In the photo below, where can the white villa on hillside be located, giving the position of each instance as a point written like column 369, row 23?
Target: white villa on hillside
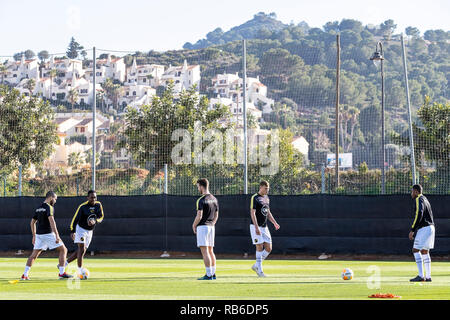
column 113, row 68
column 183, row 77
column 147, row 74
column 19, row 70
column 230, row 86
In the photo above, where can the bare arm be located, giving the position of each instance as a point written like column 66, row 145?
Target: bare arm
column 54, row 229
column 33, row 229
column 254, row 221
column 216, row 216
column 197, row 220
column 272, row 219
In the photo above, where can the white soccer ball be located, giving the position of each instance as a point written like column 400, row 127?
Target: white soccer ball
column 84, row 274
column 347, row 274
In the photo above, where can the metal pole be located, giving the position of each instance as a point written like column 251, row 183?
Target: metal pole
column 383, row 189
column 408, row 101
column 323, row 178
column 244, row 85
column 165, row 254
column 20, row 180
column 166, row 178
column 93, row 119
column 336, row 130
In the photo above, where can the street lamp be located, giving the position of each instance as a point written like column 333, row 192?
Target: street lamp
column 377, row 59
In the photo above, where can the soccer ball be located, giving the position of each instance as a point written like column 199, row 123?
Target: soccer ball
column 347, row 274
column 84, row 274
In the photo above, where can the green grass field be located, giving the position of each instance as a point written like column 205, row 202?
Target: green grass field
column 176, row 279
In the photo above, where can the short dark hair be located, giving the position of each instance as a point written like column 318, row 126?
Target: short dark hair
column 418, row 187
column 264, row 183
column 91, row 191
column 50, row 194
column 203, row 182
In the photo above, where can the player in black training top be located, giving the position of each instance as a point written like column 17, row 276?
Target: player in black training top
column 261, row 238
column 88, row 214
column 46, row 236
column 204, row 227
column 423, row 229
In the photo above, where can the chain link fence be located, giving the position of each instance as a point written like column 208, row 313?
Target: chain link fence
column 185, row 108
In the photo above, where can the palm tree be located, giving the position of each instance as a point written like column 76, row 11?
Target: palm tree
column 348, row 114
column 100, row 97
column 113, row 91
column 354, row 113
column 52, row 73
column 30, row 84
column 73, row 96
column 75, row 160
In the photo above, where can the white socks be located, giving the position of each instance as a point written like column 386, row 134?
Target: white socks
column 418, row 258
column 265, row 254
column 427, row 263
column 80, row 270
column 259, row 259
column 208, row 271
column 62, row 270
column 27, row 269
column 213, row 270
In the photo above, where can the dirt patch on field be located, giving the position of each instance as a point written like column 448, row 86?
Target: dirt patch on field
column 250, row 256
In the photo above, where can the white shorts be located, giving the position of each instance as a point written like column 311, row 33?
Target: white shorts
column 263, row 237
column 46, row 241
column 83, row 236
column 424, row 239
column 205, row 236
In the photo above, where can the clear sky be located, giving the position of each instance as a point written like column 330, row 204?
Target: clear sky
column 162, row 25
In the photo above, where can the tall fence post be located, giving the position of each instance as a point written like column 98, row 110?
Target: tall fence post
column 93, row 117
column 323, row 178
column 336, row 130
column 165, row 254
column 244, row 88
column 166, row 179
column 408, row 101
column 20, row 180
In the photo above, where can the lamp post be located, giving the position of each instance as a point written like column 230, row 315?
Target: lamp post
column 377, row 59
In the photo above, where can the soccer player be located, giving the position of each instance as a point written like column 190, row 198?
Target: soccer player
column 259, row 213
column 423, row 229
column 88, row 214
column 46, row 236
column 204, row 227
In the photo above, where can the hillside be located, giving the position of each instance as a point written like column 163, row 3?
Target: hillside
column 259, row 25
column 298, row 66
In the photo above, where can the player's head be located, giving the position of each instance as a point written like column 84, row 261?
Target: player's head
column 92, row 197
column 202, row 185
column 416, row 190
column 51, row 197
column 263, row 187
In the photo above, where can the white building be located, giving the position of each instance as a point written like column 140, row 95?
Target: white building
column 65, row 68
column 183, row 77
column 113, row 68
column 136, row 95
column 301, row 145
column 147, row 74
column 230, row 86
column 236, row 108
column 16, row 71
